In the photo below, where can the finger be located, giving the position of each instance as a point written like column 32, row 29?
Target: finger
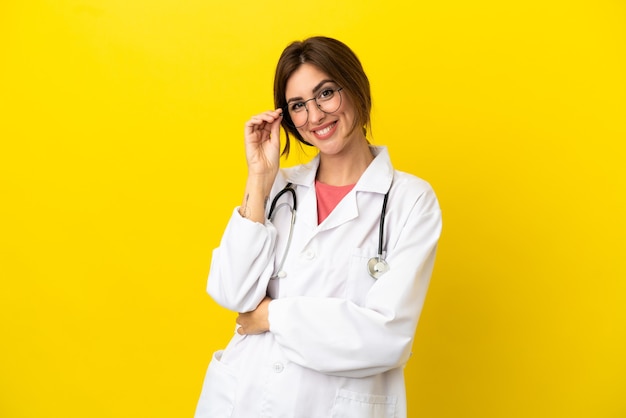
column 275, row 127
column 274, row 114
column 275, row 132
column 255, row 124
column 268, row 117
column 252, row 129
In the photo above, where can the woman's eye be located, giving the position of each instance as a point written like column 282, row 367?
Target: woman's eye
column 327, row 93
column 297, row 106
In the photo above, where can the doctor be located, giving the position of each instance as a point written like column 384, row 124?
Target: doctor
column 320, row 334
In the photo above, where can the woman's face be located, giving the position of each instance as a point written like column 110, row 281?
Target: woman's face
column 329, row 132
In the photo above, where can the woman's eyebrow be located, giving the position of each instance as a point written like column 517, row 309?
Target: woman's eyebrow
column 315, row 90
column 321, row 84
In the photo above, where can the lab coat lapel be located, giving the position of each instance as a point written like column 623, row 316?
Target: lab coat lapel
column 307, row 211
column 345, row 211
column 377, row 179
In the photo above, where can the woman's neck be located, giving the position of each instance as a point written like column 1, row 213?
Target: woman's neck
column 344, row 169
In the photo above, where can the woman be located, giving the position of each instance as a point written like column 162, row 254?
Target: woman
column 329, row 303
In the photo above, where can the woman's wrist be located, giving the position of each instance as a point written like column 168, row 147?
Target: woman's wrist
column 256, row 196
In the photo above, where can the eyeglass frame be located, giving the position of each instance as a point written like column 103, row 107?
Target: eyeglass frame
column 306, row 108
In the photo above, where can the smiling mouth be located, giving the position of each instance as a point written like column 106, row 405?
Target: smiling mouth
column 326, row 130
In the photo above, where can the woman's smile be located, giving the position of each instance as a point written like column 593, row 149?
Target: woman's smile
column 325, row 131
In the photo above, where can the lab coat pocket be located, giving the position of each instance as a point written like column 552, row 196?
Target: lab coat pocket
column 218, row 392
column 363, row 405
column 359, row 280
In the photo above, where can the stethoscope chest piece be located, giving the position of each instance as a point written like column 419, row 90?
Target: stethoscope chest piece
column 376, row 267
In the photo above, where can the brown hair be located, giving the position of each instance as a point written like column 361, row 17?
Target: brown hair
column 335, row 59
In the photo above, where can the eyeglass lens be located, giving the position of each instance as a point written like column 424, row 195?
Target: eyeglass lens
column 328, row 101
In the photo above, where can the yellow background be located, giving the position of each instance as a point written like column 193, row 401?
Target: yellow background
column 121, row 159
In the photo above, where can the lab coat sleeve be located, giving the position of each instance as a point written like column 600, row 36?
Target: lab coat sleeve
column 242, row 265
column 338, row 337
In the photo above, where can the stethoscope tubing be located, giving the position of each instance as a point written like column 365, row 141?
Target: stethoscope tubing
column 381, row 227
column 286, row 189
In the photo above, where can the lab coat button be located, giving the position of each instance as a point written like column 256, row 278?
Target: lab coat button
column 282, row 274
column 278, row 367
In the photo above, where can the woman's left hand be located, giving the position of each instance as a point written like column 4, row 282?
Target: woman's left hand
column 256, row 321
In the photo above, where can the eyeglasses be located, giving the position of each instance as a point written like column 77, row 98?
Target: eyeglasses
column 328, row 101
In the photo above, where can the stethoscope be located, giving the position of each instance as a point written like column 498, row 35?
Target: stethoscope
column 376, row 266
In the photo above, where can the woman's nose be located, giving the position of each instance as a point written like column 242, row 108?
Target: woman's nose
column 315, row 113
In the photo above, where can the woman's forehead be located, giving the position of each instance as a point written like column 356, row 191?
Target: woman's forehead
column 305, row 80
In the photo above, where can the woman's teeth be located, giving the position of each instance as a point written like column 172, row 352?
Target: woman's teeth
column 325, row 130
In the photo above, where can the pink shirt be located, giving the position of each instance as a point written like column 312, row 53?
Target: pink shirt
column 328, row 197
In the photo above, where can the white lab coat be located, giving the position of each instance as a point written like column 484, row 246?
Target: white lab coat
column 338, row 338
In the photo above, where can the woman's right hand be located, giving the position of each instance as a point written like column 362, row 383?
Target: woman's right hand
column 262, row 142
